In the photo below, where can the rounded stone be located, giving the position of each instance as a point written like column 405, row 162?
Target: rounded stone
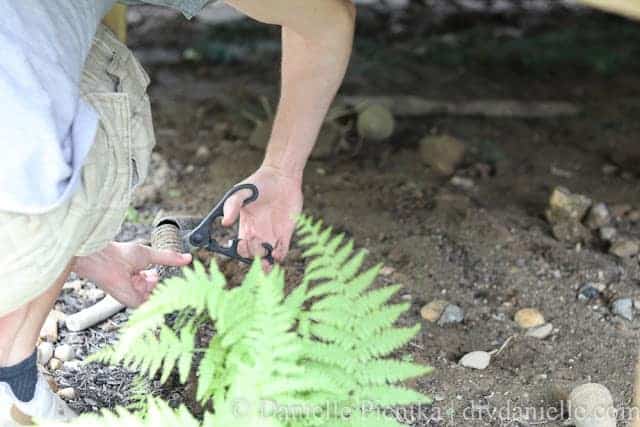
column 608, row 233
column 443, row 153
column 55, row 364
column 452, row 314
column 65, row 353
column 623, row 307
column 476, row 360
column 598, row 216
column 375, row 123
column 625, row 248
column 591, row 405
column 529, row 318
column 45, row 353
column 432, row 311
column 540, row 332
column 68, row 393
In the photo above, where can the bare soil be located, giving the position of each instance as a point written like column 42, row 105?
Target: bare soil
column 487, row 249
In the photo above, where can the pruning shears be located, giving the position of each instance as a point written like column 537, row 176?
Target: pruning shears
column 200, row 237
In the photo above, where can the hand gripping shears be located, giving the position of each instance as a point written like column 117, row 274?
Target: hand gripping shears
column 200, row 237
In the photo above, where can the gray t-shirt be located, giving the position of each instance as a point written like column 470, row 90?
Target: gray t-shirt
column 46, row 130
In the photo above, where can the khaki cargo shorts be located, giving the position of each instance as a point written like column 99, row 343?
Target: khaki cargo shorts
column 36, row 249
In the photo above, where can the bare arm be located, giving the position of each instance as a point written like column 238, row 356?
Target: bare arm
column 317, row 36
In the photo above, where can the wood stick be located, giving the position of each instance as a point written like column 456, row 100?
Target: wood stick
column 93, row 315
column 409, row 106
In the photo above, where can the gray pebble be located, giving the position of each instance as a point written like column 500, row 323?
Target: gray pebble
column 540, row 332
column 608, row 233
column 623, row 307
column 589, row 291
column 598, row 216
column 452, row 314
column 624, row 248
column 476, row 360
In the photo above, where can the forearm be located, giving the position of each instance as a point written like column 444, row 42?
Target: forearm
column 312, row 71
column 317, row 37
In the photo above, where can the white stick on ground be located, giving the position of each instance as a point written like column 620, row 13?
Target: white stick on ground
column 93, row 315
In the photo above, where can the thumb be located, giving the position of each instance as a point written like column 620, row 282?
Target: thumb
column 232, row 207
column 167, row 257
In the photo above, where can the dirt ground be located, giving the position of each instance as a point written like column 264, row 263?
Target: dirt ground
column 486, row 248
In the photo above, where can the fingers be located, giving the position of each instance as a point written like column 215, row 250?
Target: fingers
column 166, row 257
column 250, row 248
column 143, row 284
column 232, row 207
column 281, row 249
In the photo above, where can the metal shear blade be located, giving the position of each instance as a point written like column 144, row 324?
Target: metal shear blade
column 200, row 237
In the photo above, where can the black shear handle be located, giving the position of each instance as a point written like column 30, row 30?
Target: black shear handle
column 201, row 235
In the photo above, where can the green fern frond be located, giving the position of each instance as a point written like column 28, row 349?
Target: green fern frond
column 326, row 345
column 152, row 353
column 159, row 415
column 379, row 372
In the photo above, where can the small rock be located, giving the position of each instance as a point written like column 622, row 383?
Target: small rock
column 72, row 365
column 591, row 405
column 589, row 291
column 609, row 169
column 55, row 364
column 45, row 352
column 462, row 182
column 49, row 331
column 68, row 393
column 451, row 314
column 74, row 285
column 94, row 294
column 540, row 332
column 634, row 215
column 608, row 233
column 476, row 360
column 433, row 310
column 65, row 353
column 567, row 206
column 443, row 153
column 375, row 123
column 387, row 271
column 529, row 318
column 623, row 307
column 203, row 152
column 624, row 248
column 598, row 216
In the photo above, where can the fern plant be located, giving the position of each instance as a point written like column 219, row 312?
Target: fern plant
column 319, row 356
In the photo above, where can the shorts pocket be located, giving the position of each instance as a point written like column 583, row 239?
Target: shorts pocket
column 109, row 172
